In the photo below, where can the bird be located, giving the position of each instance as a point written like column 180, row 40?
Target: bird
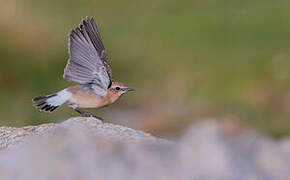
column 89, row 67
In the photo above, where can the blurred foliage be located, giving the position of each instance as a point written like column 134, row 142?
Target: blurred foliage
column 188, row 60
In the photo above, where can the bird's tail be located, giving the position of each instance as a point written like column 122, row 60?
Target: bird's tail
column 51, row 102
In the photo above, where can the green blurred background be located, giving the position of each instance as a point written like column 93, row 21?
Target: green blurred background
column 188, row 60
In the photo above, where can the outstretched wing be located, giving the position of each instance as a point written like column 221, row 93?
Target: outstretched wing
column 85, row 65
column 92, row 30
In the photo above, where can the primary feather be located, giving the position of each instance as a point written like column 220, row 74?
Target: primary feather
column 86, row 64
column 92, row 30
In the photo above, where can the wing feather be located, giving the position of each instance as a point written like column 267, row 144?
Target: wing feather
column 85, row 65
column 92, row 30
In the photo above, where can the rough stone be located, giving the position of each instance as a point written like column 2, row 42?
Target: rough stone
column 86, row 148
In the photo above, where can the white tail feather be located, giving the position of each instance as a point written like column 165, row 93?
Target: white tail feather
column 51, row 102
column 60, row 98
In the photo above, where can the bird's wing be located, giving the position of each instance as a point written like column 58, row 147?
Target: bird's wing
column 85, row 65
column 92, row 30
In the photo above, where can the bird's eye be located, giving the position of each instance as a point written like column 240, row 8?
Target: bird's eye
column 118, row 88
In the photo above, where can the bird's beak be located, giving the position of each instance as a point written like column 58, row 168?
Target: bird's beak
column 129, row 89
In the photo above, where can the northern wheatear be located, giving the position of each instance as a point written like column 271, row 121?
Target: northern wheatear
column 88, row 65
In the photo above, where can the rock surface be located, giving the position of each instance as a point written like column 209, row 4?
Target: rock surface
column 10, row 136
column 86, row 148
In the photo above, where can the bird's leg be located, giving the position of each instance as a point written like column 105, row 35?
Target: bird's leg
column 86, row 114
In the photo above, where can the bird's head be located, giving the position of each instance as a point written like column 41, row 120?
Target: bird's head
column 118, row 89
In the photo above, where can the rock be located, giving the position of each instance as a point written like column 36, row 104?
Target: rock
column 86, row 148
column 10, row 136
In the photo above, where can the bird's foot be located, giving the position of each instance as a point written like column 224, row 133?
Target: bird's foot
column 87, row 114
